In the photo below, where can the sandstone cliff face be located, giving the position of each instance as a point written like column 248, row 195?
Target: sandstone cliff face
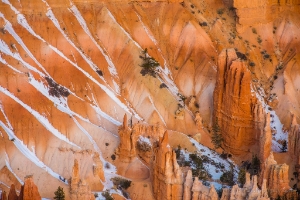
column 167, row 177
column 235, row 107
column 255, row 12
column 12, row 195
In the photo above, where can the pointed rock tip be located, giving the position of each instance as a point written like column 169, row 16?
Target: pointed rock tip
column 125, row 121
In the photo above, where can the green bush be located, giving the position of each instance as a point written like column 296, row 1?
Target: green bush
column 107, row 196
column 242, row 177
column 149, row 64
column 59, row 194
column 122, row 182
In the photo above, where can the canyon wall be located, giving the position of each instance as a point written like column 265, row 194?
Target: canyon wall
column 262, row 11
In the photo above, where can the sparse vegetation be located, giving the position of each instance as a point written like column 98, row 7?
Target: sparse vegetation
column 284, row 146
column 220, row 11
column 227, row 177
column 242, row 177
column 163, row 85
column 216, row 137
column 59, row 194
column 113, row 157
column 99, row 72
column 149, row 64
column 55, row 89
column 121, row 182
column 143, row 146
column 107, row 195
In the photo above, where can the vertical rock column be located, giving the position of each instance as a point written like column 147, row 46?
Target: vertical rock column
column 235, row 108
column 167, row 177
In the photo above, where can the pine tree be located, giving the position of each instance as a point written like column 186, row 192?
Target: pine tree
column 242, row 177
column 216, row 137
column 59, row 194
column 149, row 64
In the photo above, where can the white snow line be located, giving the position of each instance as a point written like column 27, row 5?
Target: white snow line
column 103, row 87
column 5, row 49
column 9, row 28
column 10, row 169
column 39, row 117
column 105, row 116
column 11, row 67
column 60, row 103
column 6, row 118
column 160, row 116
column 80, row 19
column 275, row 121
column 150, row 35
column 27, row 153
column 124, row 31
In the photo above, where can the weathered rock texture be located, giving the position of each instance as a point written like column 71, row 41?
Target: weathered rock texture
column 167, row 177
column 12, row 195
column 262, row 11
column 276, row 176
column 29, row 190
column 294, row 141
column 79, row 188
column 249, row 191
column 235, row 108
column 127, row 146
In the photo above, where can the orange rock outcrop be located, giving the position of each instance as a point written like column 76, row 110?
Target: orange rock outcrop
column 127, row 147
column 167, row 177
column 29, row 190
column 249, row 191
column 235, row 108
column 12, row 195
column 79, row 189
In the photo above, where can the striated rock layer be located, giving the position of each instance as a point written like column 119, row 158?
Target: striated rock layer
column 235, row 108
column 167, row 177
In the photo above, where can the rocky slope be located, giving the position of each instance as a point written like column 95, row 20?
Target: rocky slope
column 71, row 69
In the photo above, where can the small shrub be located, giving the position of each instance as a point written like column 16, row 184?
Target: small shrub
column 121, row 182
column 143, row 146
column 113, row 157
column 59, row 194
column 203, row 23
column 216, row 137
column 275, row 77
column 99, row 72
column 107, row 166
column 259, row 40
column 149, row 64
column 55, row 89
column 163, row 85
column 252, row 64
column 107, row 196
column 241, row 55
column 106, row 144
column 220, row 11
column 227, row 177
column 254, row 31
column 242, row 177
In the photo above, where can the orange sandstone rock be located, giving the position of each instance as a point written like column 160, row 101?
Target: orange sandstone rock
column 29, row 190
column 167, row 177
column 12, row 195
column 235, row 108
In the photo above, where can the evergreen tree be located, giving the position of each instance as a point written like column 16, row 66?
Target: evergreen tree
column 149, row 64
column 59, row 194
column 242, row 177
column 216, row 137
